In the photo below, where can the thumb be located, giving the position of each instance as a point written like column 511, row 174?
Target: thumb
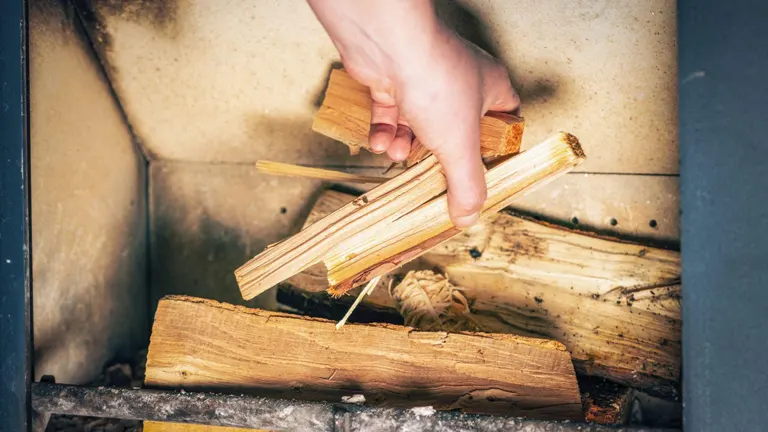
column 499, row 95
column 457, row 148
column 465, row 175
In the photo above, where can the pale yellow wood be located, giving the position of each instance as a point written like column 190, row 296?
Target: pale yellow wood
column 201, row 344
column 345, row 115
column 399, row 220
column 152, row 426
column 615, row 305
column 290, row 170
column 374, row 252
column 388, row 201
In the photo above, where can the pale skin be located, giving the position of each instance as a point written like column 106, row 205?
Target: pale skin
column 425, row 81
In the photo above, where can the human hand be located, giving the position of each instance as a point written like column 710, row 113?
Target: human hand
column 426, row 81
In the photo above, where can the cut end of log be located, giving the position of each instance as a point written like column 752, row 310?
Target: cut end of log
column 604, row 402
column 574, row 145
column 513, row 128
column 567, row 147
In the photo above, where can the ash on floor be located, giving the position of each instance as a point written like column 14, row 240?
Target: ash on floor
column 128, row 375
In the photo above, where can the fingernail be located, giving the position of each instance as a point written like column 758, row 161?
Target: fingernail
column 466, row 221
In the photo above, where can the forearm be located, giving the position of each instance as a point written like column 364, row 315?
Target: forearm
column 373, row 36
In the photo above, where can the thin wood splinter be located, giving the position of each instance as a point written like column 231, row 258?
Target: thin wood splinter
column 367, row 290
column 290, row 170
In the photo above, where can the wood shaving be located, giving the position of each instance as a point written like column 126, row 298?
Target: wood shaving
column 428, row 301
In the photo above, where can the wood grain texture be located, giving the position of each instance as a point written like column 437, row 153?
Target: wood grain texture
column 388, row 201
column 345, row 115
column 153, row 426
column 399, row 220
column 204, row 345
column 290, row 170
column 370, row 253
column 615, row 305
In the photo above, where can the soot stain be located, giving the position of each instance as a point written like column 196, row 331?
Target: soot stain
column 160, row 15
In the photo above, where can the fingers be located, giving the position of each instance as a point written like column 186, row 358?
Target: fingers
column 383, row 126
column 401, row 146
column 386, row 135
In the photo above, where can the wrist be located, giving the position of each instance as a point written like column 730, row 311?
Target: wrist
column 375, row 37
column 408, row 33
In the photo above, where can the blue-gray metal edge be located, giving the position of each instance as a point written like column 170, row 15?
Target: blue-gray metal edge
column 15, row 301
column 723, row 115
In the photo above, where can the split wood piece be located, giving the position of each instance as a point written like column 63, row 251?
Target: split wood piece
column 382, row 204
column 374, row 252
column 345, row 115
column 199, row 344
column 290, row 170
column 398, row 221
column 614, row 304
